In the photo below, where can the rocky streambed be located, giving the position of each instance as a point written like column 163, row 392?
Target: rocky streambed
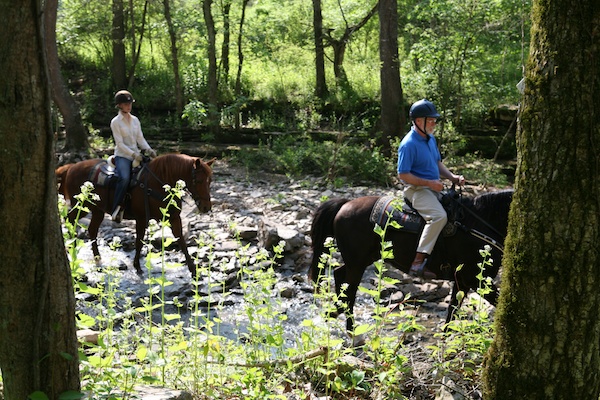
column 250, row 214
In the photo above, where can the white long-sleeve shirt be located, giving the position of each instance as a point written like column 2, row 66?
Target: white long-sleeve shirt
column 128, row 136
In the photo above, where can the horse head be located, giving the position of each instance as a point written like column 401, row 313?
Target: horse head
column 200, row 187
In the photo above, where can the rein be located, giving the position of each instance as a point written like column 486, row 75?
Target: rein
column 149, row 192
column 480, row 235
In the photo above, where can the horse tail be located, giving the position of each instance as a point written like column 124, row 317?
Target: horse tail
column 321, row 229
column 61, row 174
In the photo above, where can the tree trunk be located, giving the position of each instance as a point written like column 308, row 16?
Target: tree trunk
column 136, row 49
column 547, row 343
column 213, row 106
column 174, row 59
column 226, row 42
column 321, row 84
column 119, row 69
column 38, row 346
column 392, row 112
column 238, row 78
column 76, row 139
column 339, row 48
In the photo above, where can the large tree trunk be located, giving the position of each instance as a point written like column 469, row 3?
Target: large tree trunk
column 392, row 112
column 174, row 59
column 76, row 139
column 38, row 345
column 321, row 84
column 547, row 343
column 213, row 106
column 119, row 69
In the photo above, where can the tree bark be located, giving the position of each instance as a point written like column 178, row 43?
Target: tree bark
column 76, row 139
column 321, row 90
column 392, row 112
column 547, row 343
column 38, row 346
column 119, row 68
column 213, row 106
column 174, row 59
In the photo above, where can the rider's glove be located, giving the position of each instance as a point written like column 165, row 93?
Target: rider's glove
column 137, row 159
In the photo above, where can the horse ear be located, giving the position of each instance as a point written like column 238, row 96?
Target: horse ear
column 210, row 163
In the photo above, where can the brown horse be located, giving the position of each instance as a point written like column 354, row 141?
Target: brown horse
column 145, row 199
column 485, row 220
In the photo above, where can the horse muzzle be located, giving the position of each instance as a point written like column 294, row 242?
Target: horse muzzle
column 204, row 206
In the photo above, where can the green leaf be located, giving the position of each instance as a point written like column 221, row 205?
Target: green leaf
column 71, row 395
column 38, row 396
column 361, row 329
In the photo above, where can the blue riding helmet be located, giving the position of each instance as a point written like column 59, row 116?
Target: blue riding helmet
column 423, row 109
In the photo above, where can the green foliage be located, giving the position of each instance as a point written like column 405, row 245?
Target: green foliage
column 465, row 55
column 147, row 343
column 479, row 170
column 300, row 156
column 467, row 338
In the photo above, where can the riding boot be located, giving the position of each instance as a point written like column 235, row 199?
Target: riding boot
column 419, row 269
column 117, row 215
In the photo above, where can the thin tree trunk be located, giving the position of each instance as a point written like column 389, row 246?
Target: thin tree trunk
column 238, row 78
column 38, row 345
column 136, row 50
column 321, row 90
column 547, row 343
column 226, row 43
column 392, row 112
column 213, row 106
column 119, row 69
column 339, row 47
column 174, row 59
column 76, row 139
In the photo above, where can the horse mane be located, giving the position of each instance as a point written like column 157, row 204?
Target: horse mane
column 492, row 207
column 172, row 167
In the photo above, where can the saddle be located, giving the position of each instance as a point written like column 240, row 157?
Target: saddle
column 408, row 218
column 103, row 174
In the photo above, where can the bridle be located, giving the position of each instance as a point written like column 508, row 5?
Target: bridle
column 478, row 234
column 144, row 186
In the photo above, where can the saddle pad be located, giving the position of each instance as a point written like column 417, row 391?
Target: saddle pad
column 408, row 218
column 101, row 174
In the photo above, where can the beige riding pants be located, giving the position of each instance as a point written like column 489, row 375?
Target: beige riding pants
column 427, row 202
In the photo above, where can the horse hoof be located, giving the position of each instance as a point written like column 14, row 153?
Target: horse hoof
column 358, row 341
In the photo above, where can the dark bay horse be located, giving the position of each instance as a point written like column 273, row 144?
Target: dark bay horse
column 349, row 223
column 144, row 200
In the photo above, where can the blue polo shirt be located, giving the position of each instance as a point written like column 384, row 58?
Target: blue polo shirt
column 419, row 156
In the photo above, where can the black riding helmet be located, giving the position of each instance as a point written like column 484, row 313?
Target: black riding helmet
column 423, row 109
column 123, row 96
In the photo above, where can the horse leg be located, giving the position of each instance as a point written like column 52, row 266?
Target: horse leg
column 346, row 294
column 140, row 230
column 97, row 218
column 177, row 230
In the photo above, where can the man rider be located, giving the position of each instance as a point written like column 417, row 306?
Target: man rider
column 420, row 168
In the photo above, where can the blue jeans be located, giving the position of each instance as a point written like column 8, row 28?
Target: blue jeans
column 123, row 172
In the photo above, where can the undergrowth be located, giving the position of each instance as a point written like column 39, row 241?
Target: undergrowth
column 147, row 343
column 341, row 162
